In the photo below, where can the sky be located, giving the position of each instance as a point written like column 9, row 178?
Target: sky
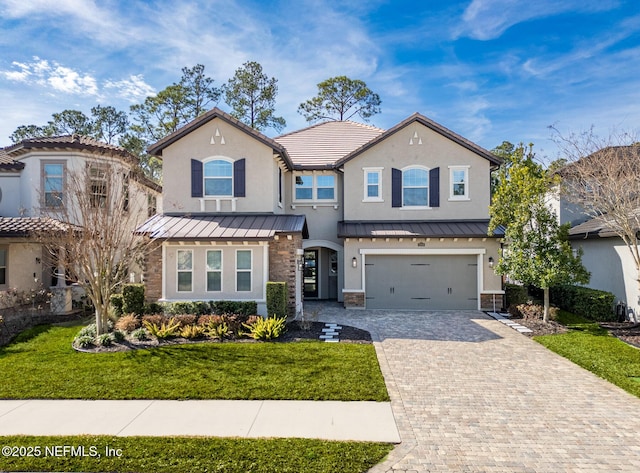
column 490, row 70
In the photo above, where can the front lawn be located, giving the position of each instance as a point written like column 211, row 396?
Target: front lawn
column 596, row 350
column 188, row 454
column 40, row 364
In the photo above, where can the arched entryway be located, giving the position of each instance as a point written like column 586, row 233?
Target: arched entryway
column 323, row 272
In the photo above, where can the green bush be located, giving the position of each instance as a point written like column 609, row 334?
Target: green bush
column 267, row 329
column 140, row 334
column 187, row 308
column 117, row 302
column 105, row 340
column 153, row 308
column 118, row 336
column 277, row 294
column 84, row 341
column 590, row 303
column 133, row 299
column 235, row 307
column 515, row 294
column 88, row 331
column 164, row 330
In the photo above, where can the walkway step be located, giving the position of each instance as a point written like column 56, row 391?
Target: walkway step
column 509, row 323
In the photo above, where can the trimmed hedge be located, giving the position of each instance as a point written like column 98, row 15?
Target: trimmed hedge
column 590, row 303
column 117, row 303
column 515, row 294
column 235, row 307
column 133, row 299
column 210, row 307
column 277, row 299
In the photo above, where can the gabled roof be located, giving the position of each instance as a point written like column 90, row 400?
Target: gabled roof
column 409, row 229
column 25, row 226
column 323, row 144
column 157, row 148
column 223, row 227
column 416, row 117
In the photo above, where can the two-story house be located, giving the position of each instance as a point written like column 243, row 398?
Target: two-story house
column 34, row 184
column 392, row 219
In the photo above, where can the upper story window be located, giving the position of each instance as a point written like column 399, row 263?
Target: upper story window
column 459, row 182
column 415, row 187
column 373, row 184
column 152, row 205
column 3, row 266
column 53, row 177
column 315, row 187
column 98, row 186
column 218, row 178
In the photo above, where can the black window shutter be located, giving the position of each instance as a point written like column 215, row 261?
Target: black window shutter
column 434, row 187
column 396, row 187
column 196, row 178
column 239, row 178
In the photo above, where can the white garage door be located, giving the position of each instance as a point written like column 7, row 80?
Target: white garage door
column 428, row 282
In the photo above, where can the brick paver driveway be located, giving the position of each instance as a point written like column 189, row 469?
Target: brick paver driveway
column 472, row 395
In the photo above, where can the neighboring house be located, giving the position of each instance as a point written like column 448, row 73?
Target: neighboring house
column 33, row 176
column 392, row 219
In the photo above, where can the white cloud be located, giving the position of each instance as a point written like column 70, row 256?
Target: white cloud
column 488, row 19
column 134, row 89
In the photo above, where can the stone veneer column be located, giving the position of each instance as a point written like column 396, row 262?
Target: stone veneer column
column 153, row 273
column 487, row 301
column 283, row 264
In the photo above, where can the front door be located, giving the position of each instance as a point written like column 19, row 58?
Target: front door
column 311, row 273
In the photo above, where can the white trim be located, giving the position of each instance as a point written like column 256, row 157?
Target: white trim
column 428, row 187
column 378, row 171
column 250, row 270
column 493, row 292
column 178, row 271
column 206, row 271
column 205, row 161
column 314, row 188
column 265, row 270
column 164, row 270
column 452, row 169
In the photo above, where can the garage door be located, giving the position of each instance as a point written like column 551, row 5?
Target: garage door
column 428, row 282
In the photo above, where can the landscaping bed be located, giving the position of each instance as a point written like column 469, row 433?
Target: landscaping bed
column 628, row 332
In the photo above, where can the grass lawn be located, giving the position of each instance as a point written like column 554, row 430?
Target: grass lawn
column 596, row 350
column 197, row 455
column 40, row 364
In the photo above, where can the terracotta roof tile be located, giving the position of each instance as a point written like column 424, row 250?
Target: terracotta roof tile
column 322, row 145
column 8, row 163
column 68, row 141
column 25, row 226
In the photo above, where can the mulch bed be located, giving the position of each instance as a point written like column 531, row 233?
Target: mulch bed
column 539, row 327
column 628, row 332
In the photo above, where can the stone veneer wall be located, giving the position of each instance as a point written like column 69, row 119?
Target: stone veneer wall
column 283, row 265
column 353, row 300
column 486, row 301
column 153, row 273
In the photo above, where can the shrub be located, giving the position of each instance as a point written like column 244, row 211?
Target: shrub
column 128, row 323
column 235, row 307
column 88, row 331
column 163, row 330
column 590, row 303
column 84, row 341
column 515, row 294
column 118, row 336
column 185, row 320
column 116, row 303
column 217, row 330
column 133, row 299
column 192, row 331
column 268, row 329
column 153, row 308
column 140, row 334
column 155, row 319
column 189, row 307
column 105, row 340
column 277, row 298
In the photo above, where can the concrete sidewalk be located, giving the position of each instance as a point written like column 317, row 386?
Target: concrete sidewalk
column 329, row 420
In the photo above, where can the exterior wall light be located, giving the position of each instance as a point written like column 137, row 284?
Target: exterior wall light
column 491, row 261
column 354, row 262
column 300, row 264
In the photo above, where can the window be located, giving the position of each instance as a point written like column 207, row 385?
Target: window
column 243, row 270
column 218, row 178
column 415, row 187
column 459, row 179
column 185, row 270
column 3, row 266
column 53, row 184
column 98, row 186
column 280, row 185
column 152, row 205
column 214, row 270
column 373, row 184
column 315, row 187
column 125, row 192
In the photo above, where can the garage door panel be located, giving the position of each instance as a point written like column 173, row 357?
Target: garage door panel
column 428, row 282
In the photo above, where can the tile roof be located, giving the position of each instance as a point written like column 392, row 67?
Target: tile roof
column 7, row 163
column 409, row 229
column 322, row 145
column 594, row 228
column 25, row 226
column 223, row 227
column 416, row 117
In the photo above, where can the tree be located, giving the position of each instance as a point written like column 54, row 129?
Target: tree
column 200, row 91
column 99, row 247
column 602, row 177
column 24, row 132
column 340, row 98
column 537, row 247
column 251, row 94
column 70, row 122
column 108, row 123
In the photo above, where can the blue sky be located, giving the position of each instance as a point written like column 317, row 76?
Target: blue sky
column 490, row 70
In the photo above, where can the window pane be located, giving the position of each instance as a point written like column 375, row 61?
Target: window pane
column 244, row 281
column 185, row 260
column 53, row 199
column 3, row 258
column 304, row 194
column 52, row 184
column 325, row 193
column 458, row 175
column 415, row 177
column 243, row 259
column 53, row 169
column 325, row 181
column 415, row 197
column 372, row 191
column 214, row 260
column 372, row 178
column 218, row 168
column 214, row 281
column 304, row 181
column 3, row 276
column 458, row 189
column 218, row 186
column 184, row 281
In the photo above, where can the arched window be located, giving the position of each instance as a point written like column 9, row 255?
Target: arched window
column 218, row 178
column 415, row 187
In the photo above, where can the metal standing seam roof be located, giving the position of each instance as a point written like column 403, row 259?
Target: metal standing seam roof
column 435, row 229
column 222, row 227
column 25, row 226
column 322, row 145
